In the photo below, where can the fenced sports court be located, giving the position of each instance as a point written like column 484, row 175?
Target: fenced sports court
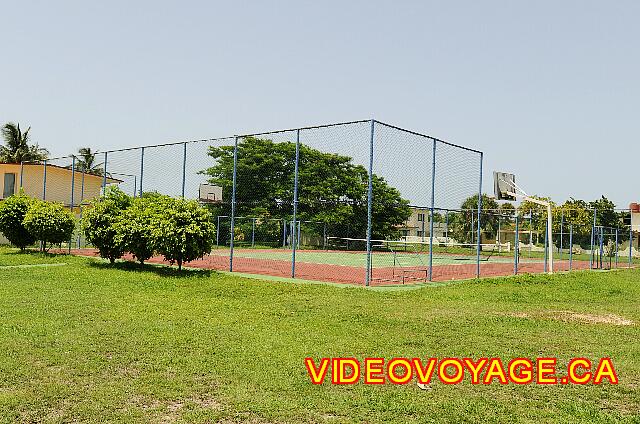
column 361, row 202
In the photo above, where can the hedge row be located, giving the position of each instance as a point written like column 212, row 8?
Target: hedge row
column 178, row 229
column 25, row 221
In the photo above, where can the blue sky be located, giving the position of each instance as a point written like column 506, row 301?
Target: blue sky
column 547, row 89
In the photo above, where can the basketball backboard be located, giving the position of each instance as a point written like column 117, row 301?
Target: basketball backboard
column 210, row 193
column 504, row 185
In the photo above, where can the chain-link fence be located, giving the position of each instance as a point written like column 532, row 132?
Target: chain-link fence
column 362, row 202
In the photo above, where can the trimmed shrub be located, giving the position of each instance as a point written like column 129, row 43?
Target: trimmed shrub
column 99, row 223
column 49, row 222
column 134, row 231
column 12, row 212
column 183, row 229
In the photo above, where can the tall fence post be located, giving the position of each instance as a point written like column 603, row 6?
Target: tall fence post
column 546, row 247
column 104, row 174
column 446, row 226
column 73, row 186
column 184, row 168
column 433, row 200
column 44, row 181
column 479, row 217
column 570, row 247
column 517, row 245
column 630, row 241
column 141, row 169
column 81, row 202
column 253, row 232
column 593, row 229
column 295, row 205
column 561, row 231
column 233, row 204
column 284, row 233
column 369, row 205
column 21, row 172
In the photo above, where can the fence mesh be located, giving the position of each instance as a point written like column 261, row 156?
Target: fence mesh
column 361, row 202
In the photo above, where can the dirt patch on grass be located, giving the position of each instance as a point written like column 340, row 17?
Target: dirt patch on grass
column 570, row 316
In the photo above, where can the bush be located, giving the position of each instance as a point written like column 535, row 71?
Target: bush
column 99, row 223
column 12, row 212
column 134, row 231
column 183, row 229
column 49, row 222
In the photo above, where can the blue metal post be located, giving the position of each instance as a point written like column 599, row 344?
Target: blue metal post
column 81, row 202
column 561, row 231
column 104, row 174
column 433, row 197
column 233, row 204
column 616, row 248
column 44, row 182
column 73, row 186
column 601, row 230
column 593, row 229
column 21, row 172
column 570, row 246
column 630, row 240
column 517, row 244
column 478, row 223
column 218, row 232
column 369, row 205
column 446, row 225
column 141, row 168
column 546, row 245
column 184, row 168
column 295, row 206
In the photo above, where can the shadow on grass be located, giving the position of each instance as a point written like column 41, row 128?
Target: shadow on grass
column 158, row 269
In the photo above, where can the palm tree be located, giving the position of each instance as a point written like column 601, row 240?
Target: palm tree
column 87, row 162
column 17, row 148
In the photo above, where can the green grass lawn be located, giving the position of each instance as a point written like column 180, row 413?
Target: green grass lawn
column 89, row 342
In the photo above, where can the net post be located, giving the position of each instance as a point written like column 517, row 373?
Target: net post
column 184, row 168
column 233, row 203
column 218, row 232
column 478, row 220
column 253, row 232
column 44, row 181
column 369, row 205
column 295, row 206
column 141, row 168
column 431, row 214
column 517, row 244
column 73, row 184
column 570, row 246
column 104, row 174
column 630, row 240
column 546, row 247
column 616, row 247
column 561, row 231
column 593, row 229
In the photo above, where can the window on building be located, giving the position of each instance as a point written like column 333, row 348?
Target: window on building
column 420, row 233
column 420, row 217
column 9, row 185
column 405, row 233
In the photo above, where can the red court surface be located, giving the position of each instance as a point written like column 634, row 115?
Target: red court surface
column 383, row 276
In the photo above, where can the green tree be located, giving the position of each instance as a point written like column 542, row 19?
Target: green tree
column 99, row 223
column 49, row 222
column 12, row 213
column 463, row 223
column 17, row 148
column 606, row 214
column 86, row 162
column 331, row 188
column 184, row 231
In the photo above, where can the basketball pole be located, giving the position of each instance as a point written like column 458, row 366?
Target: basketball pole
column 549, row 217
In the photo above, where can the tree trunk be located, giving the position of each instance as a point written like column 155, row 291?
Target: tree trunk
column 179, row 264
column 112, row 260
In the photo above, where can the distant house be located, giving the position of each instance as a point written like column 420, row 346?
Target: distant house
column 59, row 180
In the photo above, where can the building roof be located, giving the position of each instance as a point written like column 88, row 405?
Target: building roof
column 110, row 180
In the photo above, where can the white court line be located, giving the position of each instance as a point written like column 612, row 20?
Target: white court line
column 31, row 265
